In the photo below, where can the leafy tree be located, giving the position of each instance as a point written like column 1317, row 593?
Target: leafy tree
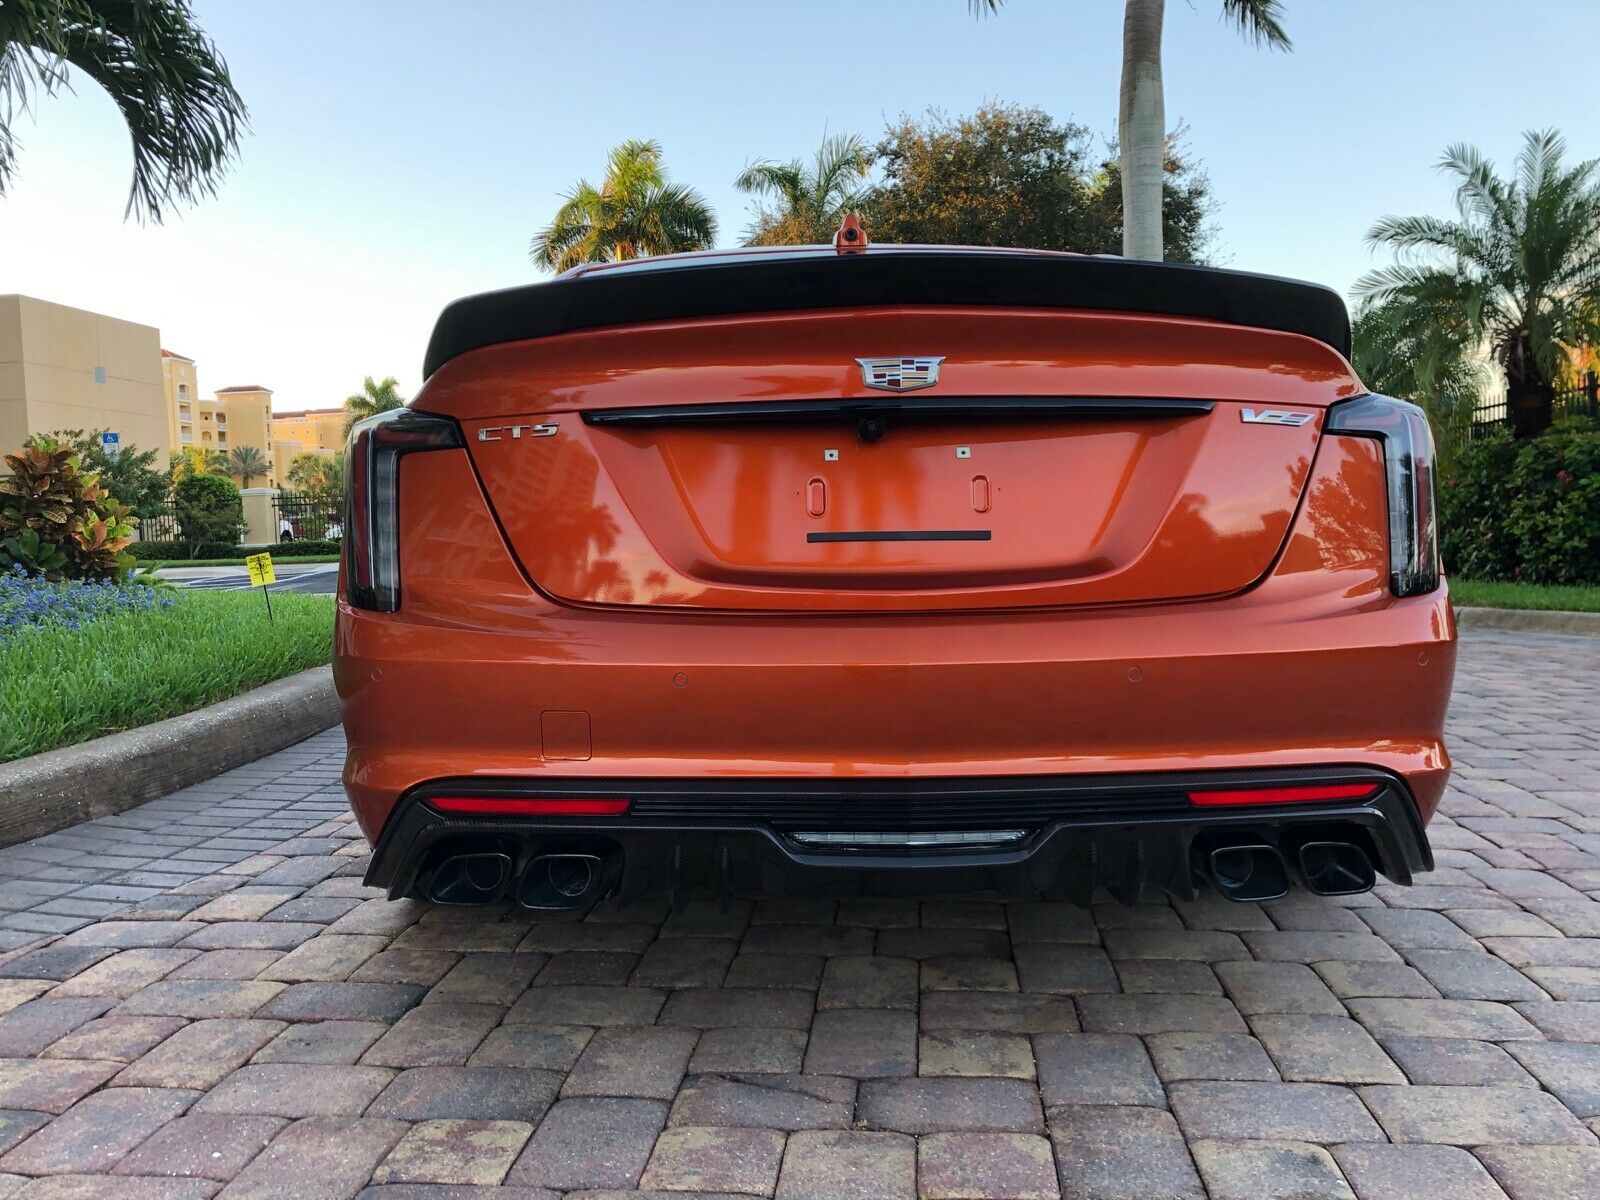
column 1517, row 270
column 633, row 213
column 1011, row 176
column 245, row 463
column 130, row 474
column 159, row 68
column 1141, row 112
column 372, row 399
column 1424, row 355
column 209, row 510
column 812, row 198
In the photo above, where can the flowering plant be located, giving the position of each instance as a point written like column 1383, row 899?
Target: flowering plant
column 28, row 600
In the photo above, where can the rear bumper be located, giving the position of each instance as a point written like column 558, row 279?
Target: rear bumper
column 482, row 682
column 1135, row 835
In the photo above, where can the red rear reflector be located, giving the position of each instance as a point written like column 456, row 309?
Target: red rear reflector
column 499, row 806
column 1285, row 795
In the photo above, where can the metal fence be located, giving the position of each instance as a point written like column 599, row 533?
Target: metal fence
column 307, row 516
column 1580, row 401
column 161, row 525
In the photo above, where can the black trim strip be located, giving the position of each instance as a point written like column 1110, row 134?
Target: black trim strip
column 902, row 535
column 954, row 406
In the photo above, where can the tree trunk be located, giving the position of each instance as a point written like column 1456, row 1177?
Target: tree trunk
column 1530, row 398
column 1142, row 130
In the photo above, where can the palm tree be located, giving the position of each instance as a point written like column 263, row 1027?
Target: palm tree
column 1425, row 355
column 196, row 460
column 159, row 68
column 1517, row 272
column 812, row 198
column 316, row 472
column 373, row 398
column 634, row 212
column 246, row 462
column 1141, row 113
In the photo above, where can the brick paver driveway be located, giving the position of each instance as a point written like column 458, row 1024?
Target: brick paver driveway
column 203, row 1000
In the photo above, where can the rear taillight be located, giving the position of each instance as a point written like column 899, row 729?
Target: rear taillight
column 585, row 806
column 372, row 499
column 1408, row 466
column 1306, row 793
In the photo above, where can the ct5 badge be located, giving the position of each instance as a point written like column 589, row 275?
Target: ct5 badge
column 498, row 433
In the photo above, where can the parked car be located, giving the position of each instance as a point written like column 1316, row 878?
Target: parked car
column 910, row 569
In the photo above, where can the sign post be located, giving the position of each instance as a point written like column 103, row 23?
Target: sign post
column 261, row 575
column 110, row 442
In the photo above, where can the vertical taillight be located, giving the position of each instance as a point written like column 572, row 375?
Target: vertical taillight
column 1408, row 467
column 372, row 499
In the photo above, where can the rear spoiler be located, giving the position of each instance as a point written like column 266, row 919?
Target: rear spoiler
column 678, row 288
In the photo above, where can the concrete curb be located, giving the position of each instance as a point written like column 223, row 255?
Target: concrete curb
column 51, row 791
column 1529, row 620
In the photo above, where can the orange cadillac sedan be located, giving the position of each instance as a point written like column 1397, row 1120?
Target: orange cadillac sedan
column 893, row 569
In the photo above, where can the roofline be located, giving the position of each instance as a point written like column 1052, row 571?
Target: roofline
column 307, row 412
column 792, row 279
column 245, row 387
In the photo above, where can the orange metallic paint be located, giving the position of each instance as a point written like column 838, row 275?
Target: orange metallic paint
column 1316, row 664
column 1080, row 511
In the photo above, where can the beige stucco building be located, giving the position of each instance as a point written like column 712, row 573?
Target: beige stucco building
column 236, row 416
column 64, row 368
column 317, row 431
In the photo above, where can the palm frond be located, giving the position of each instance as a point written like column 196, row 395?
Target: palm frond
column 1258, row 20
column 184, row 117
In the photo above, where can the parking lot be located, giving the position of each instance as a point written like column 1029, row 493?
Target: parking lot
column 202, row 999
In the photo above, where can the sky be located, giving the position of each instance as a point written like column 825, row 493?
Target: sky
column 403, row 152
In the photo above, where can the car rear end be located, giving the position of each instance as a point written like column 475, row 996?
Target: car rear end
column 909, row 570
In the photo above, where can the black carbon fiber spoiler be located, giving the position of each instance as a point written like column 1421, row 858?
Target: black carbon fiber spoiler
column 680, row 287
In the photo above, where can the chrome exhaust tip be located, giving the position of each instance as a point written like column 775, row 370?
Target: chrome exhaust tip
column 1336, row 868
column 1249, row 872
column 469, row 879
column 559, row 881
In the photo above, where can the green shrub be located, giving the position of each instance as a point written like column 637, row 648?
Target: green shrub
column 300, row 549
column 163, row 551
column 209, row 510
column 1472, row 510
column 1555, row 505
column 56, row 520
column 169, row 551
column 1526, row 510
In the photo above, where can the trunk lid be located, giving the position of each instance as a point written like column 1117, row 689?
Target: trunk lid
column 1061, row 459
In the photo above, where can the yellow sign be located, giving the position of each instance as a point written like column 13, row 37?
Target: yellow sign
column 260, row 567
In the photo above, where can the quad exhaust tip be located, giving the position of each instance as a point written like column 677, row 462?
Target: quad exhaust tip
column 469, row 879
column 559, row 881
column 1249, row 872
column 1336, row 868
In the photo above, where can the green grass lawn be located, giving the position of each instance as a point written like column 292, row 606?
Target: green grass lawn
column 59, row 685
column 1524, row 595
column 277, row 561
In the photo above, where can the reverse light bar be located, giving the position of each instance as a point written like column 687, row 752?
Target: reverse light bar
column 1296, row 794
column 495, row 806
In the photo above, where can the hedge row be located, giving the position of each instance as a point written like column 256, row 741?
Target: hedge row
column 1525, row 511
column 171, row 551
